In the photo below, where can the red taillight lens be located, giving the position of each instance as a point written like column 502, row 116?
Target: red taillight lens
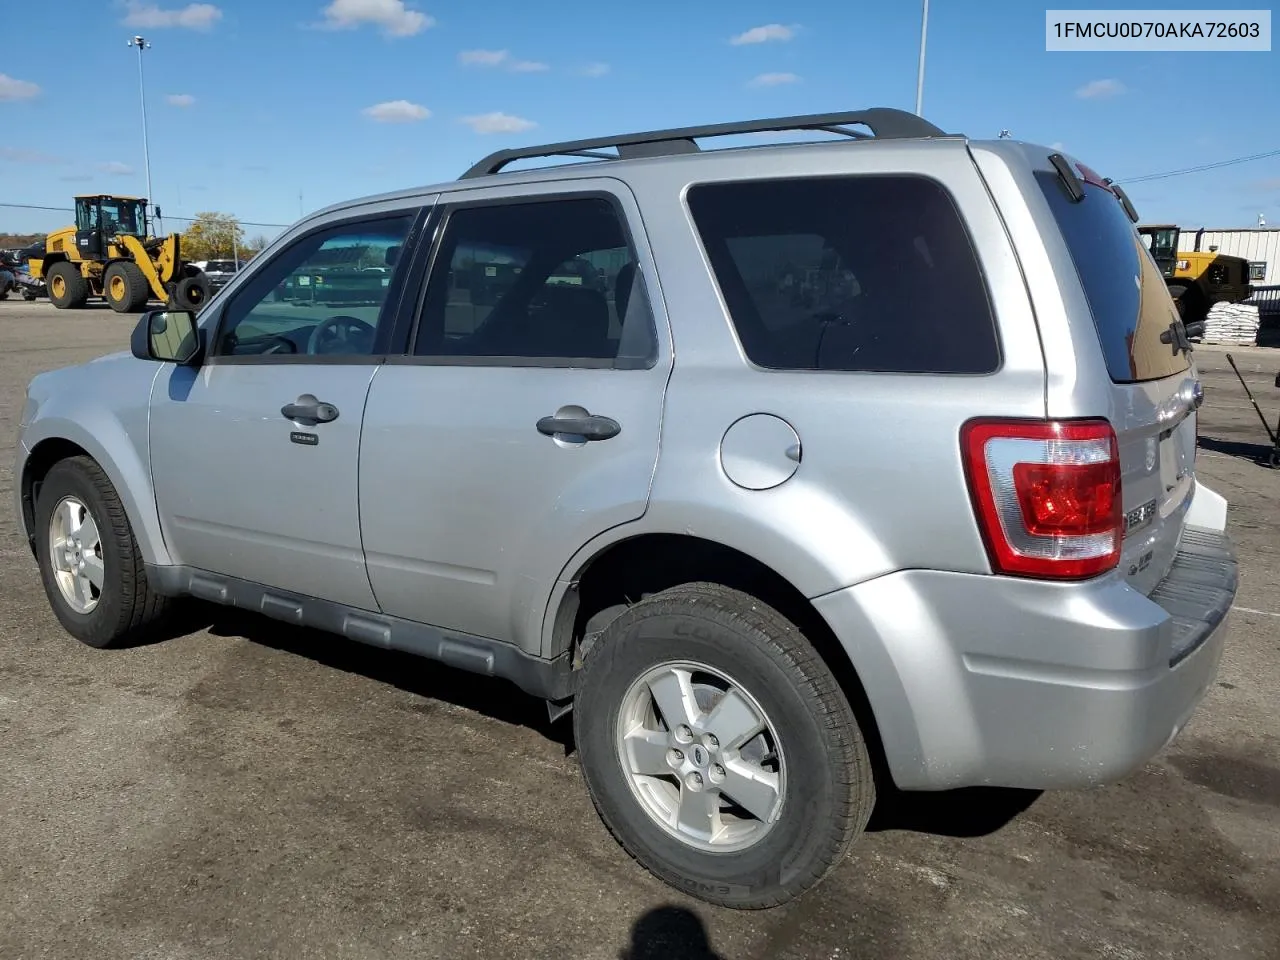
column 1047, row 495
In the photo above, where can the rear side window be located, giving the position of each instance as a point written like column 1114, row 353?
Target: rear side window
column 1126, row 293
column 865, row 273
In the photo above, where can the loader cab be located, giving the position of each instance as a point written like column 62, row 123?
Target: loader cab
column 1162, row 241
column 99, row 218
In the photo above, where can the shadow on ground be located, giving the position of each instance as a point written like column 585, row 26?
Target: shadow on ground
column 495, row 698
column 1259, row 453
column 669, row 933
column 969, row 812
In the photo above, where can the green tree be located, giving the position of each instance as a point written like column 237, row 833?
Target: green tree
column 212, row 236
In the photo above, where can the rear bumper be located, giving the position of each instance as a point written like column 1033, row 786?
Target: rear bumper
column 981, row 680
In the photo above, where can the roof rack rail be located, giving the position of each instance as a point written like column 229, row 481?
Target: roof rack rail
column 884, row 122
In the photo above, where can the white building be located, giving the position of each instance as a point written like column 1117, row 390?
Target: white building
column 1259, row 245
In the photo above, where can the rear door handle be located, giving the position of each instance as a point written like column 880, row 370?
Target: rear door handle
column 308, row 408
column 589, row 427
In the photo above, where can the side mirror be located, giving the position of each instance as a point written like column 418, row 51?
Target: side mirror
column 169, row 336
column 1195, row 328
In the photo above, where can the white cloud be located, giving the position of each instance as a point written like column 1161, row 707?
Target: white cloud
column 1058, row 145
column 77, row 178
column 595, row 70
column 1098, row 89
column 180, row 99
column 12, row 89
column 773, row 79
column 397, row 111
column 483, row 58
column 23, row 155
column 116, row 169
column 151, row 16
column 498, row 123
column 770, row 31
column 500, row 58
column 393, row 16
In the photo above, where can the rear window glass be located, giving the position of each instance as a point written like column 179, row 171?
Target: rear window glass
column 1126, row 293
column 865, row 273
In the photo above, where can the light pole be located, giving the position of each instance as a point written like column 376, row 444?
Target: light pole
column 142, row 44
column 924, row 29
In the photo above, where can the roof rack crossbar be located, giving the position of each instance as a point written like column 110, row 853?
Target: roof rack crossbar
column 886, row 123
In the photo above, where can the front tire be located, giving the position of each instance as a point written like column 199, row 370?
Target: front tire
column 719, row 749
column 92, row 570
column 125, row 287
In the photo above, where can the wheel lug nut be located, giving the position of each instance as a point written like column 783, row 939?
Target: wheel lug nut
column 675, row 758
column 712, row 742
column 683, row 733
column 717, row 773
column 694, row 781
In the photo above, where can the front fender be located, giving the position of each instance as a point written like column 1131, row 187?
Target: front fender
column 115, row 436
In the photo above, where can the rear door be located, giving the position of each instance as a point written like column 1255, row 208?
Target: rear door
column 526, row 418
column 1153, row 389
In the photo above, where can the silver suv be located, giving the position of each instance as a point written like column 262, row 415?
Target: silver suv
column 792, row 469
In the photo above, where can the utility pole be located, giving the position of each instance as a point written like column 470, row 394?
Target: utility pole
column 924, row 29
column 143, row 44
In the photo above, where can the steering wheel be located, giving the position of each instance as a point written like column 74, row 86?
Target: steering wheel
column 340, row 328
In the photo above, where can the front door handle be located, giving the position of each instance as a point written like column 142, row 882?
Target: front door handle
column 588, row 426
column 308, row 408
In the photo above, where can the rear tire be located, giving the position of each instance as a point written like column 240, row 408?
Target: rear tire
column 808, row 768
column 83, row 536
column 192, row 293
column 68, row 289
column 125, row 287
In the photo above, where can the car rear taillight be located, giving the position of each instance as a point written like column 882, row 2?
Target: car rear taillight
column 1047, row 495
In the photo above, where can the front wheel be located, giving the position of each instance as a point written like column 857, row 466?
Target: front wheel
column 192, row 293
column 89, row 560
column 719, row 749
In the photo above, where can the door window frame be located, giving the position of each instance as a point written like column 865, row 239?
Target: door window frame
column 430, row 267
column 389, row 315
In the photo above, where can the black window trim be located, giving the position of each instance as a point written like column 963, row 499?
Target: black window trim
column 389, row 323
column 441, row 216
column 750, row 364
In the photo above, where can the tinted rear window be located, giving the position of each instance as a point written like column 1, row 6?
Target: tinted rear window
column 1126, row 293
column 867, row 273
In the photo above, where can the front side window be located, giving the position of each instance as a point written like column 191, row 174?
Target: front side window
column 552, row 281
column 862, row 273
column 1257, row 271
column 318, row 297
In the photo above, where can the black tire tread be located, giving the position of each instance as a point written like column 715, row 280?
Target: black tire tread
column 137, row 289
column 77, row 285
column 140, row 606
column 788, row 646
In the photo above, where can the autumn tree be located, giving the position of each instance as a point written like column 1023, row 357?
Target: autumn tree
column 212, row 236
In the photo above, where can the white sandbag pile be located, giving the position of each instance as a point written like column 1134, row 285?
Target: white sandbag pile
column 1235, row 323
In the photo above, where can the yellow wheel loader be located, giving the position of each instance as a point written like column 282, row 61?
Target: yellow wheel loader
column 1196, row 280
column 110, row 253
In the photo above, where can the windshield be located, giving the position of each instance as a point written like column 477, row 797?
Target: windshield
column 123, row 216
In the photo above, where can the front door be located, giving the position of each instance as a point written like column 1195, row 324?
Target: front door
column 527, row 418
column 254, row 454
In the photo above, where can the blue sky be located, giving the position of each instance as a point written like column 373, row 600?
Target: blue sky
column 252, row 103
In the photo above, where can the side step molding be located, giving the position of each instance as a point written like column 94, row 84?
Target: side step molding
column 551, row 680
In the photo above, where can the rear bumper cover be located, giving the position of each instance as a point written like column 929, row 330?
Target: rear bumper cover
column 983, row 680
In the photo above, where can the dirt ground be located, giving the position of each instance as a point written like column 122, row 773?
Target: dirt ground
column 250, row 790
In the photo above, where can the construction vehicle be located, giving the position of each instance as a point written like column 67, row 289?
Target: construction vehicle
column 1196, row 279
column 110, row 253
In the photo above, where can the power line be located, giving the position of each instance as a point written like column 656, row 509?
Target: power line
column 1145, row 178
column 34, row 206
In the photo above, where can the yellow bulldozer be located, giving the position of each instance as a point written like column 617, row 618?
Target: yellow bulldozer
column 1197, row 279
column 110, row 253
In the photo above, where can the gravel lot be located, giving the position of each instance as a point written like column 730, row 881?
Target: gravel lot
column 246, row 789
